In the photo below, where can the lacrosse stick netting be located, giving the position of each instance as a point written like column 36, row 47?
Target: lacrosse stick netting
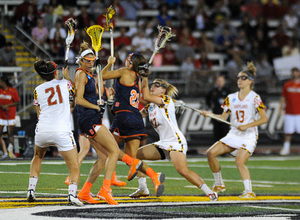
column 109, row 26
column 70, row 23
column 164, row 35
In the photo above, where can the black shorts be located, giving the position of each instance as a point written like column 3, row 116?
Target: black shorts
column 87, row 122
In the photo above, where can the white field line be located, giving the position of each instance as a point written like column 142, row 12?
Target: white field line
column 274, row 208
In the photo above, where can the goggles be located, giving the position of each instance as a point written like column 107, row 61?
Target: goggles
column 157, row 84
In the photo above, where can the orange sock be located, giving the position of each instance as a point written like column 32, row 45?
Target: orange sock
column 106, row 184
column 87, row 187
column 150, row 172
column 127, row 159
column 113, row 176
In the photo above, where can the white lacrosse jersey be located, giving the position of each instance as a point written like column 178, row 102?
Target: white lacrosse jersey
column 55, row 111
column 163, row 120
column 243, row 112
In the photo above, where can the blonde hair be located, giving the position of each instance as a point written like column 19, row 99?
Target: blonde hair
column 251, row 72
column 84, row 46
column 171, row 90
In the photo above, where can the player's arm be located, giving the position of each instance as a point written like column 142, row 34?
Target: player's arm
column 263, row 119
column 107, row 74
column 149, row 97
column 282, row 105
column 223, row 116
column 80, row 81
column 38, row 111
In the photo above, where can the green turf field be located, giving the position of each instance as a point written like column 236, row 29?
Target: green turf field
column 270, row 176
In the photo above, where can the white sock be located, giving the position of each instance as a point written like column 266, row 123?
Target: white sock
column 218, row 178
column 32, row 183
column 206, row 189
column 248, row 185
column 286, row 145
column 72, row 189
column 142, row 183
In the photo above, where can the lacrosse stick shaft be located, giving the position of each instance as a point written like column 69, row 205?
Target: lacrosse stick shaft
column 111, row 46
column 153, row 54
column 209, row 115
column 99, row 78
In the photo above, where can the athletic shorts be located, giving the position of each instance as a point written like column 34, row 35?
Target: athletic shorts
column 291, row 124
column 64, row 141
column 128, row 125
column 235, row 141
column 169, row 146
column 10, row 122
column 89, row 124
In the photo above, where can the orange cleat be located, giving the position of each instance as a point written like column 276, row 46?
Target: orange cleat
column 67, row 181
column 86, row 197
column 106, row 195
column 134, row 168
column 158, row 183
column 116, row 182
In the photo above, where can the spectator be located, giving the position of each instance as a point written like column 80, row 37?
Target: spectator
column 262, row 24
column 84, row 18
column 247, row 27
column 122, row 39
column 280, row 36
column 184, row 51
column 58, row 28
column 260, row 43
column 187, row 70
column 40, row 34
column 169, row 56
column 29, row 21
column 71, row 14
column 274, row 50
column 9, row 98
column 233, row 66
column 270, row 9
column 7, row 55
column 200, row 19
column 290, row 102
column 214, row 99
column 291, row 48
column 205, row 44
column 119, row 9
column 50, row 18
column 22, row 10
column 265, row 72
column 219, row 13
column 130, row 8
column 191, row 41
column 203, row 63
column 296, row 8
column 140, row 43
column 57, row 45
column 163, row 15
column 224, row 41
column 253, row 9
column 290, row 20
column 96, row 8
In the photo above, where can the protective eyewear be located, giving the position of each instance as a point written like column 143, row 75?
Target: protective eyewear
column 242, row 78
column 129, row 58
column 89, row 60
column 157, row 84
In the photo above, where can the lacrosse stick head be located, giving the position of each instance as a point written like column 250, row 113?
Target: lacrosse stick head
column 164, row 35
column 109, row 14
column 95, row 32
column 70, row 23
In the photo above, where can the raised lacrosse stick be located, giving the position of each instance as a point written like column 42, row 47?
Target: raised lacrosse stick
column 109, row 26
column 164, row 35
column 70, row 23
column 209, row 115
column 95, row 32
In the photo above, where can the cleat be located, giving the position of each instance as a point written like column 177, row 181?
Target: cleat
column 213, row 196
column 116, row 182
column 67, row 181
column 284, row 151
column 247, row 195
column 10, row 151
column 83, row 197
column 74, row 201
column 218, row 188
column 134, row 168
column 140, row 193
column 30, row 195
column 106, row 195
column 158, row 183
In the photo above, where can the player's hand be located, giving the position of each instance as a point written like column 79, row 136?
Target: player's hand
column 111, row 60
column 143, row 70
column 66, row 72
column 101, row 110
column 242, row 127
column 205, row 113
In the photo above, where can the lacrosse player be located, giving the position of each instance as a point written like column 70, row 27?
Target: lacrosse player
column 245, row 107
column 54, row 126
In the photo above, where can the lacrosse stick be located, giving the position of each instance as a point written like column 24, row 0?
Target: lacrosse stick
column 95, row 32
column 164, row 35
column 71, row 23
column 109, row 26
column 210, row 115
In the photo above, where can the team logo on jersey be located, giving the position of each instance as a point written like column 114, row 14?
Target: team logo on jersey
column 234, row 99
column 151, row 108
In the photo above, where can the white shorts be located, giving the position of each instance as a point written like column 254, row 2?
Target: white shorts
column 64, row 141
column 169, row 146
column 237, row 142
column 10, row 122
column 291, row 124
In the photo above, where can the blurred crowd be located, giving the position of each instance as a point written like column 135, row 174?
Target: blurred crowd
column 240, row 29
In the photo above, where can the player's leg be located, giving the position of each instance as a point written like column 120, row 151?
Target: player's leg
column 35, row 169
column 216, row 150
column 180, row 163
column 289, row 128
column 5, row 155
column 84, row 145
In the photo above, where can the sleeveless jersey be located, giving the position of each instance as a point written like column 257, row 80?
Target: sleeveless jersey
column 126, row 97
column 53, row 99
column 163, row 120
column 243, row 112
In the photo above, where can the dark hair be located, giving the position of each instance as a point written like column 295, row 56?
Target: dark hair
column 137, row 60
column 45, row 69
column 5, row 79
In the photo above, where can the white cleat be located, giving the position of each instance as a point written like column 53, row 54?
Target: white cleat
column 218, row 188
column 140, row 193
column 247, row 195
column 30, row 195
column 213, row 196
column 74, row 201
column 284, row 151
